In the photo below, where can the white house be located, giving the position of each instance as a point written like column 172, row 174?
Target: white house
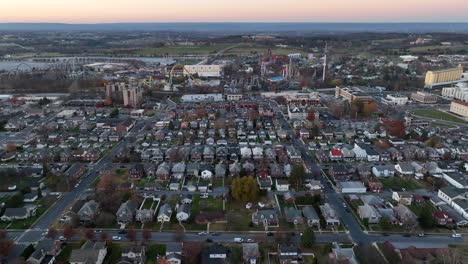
column 282, row 185
column 165, row 213
column 383, row 171
column 183, row 212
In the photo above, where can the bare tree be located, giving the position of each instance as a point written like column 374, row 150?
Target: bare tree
column 52, row 233
column 89, row 234
column 68, row 232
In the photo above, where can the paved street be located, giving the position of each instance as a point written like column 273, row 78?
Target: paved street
column 355, row 233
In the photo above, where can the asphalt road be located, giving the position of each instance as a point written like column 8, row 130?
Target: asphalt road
column 355, row 233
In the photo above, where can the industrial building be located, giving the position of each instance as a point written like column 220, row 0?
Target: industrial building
column 191, row 98
column 352, row 93
column 424, row 98
column 459, row 93
column 443, row 76
column 395, row 99
column 213, row 71
column 459, row 108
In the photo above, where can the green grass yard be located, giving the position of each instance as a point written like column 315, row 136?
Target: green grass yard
column 437, row 114
column 397, row 183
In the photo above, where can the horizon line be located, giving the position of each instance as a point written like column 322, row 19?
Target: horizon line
column 242, row 22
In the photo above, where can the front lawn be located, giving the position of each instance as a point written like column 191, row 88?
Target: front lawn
column 397, row 183
column 153, row 251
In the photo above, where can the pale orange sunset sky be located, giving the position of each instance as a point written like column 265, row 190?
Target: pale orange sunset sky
column 103, row 11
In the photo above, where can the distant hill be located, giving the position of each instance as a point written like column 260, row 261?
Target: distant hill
column 229, row 28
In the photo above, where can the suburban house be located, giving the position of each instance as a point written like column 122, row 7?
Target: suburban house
column 213, row 254
column 45, row 252
column 265, row 216
column 330, row 215
column 405, row 215
column 127, row 211
column 442, row 218
column 90, row 252
column 250, row 253
column 19, row 213
column 370, row 213
column 183, row 212
column 383, row 171
column 165, row 213
column 311, row 216
column 282, row 185
column 404, row 198
column 293, row 215
column 88, row 211
column 404, row 169
column 289, row 254
column 133, row 254
column 174, row 253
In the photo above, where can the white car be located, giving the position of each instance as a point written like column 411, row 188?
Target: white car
column 202, row 233
column 248, row 206
column 250, row 240
column 116, row 238
column 261, row 205
column 456, row 235
column 238, row 240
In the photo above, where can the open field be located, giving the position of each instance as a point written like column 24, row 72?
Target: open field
column 252, row 48
column 204, row 49
column 438, row 48
column 437, row 114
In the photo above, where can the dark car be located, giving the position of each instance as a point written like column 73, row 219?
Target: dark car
column 209, row 240
column 270, row 234
column 122, row 231
column 215, row 234
column 407, row 235
column 385, row 234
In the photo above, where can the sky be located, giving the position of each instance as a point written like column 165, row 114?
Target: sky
column 109, row 11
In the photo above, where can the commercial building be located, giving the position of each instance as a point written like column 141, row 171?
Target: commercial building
column 459, row 108
column 395, row 99
column 204, row 70
column 191, row 98
column 351, row 187
column 352, row 93
column 442, row 76
column 234, row 97
column 296, row 113
column 423, row 97
column 458, row 93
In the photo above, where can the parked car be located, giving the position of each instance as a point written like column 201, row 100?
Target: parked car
column 116, row 238
column 456, row 235
column 238, row 240
column 202, row 233
column 421, row 235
